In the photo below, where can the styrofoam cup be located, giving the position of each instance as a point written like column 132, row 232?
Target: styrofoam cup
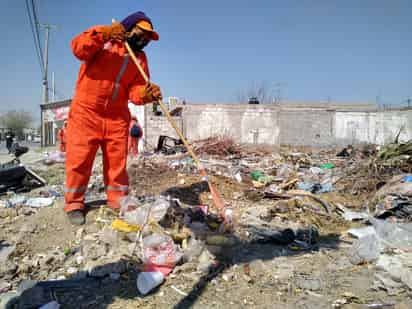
column 147, row 281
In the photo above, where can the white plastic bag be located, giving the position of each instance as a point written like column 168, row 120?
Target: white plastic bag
column 134, row 212
column 159, row 251
column 393, row 235
column 39, row 202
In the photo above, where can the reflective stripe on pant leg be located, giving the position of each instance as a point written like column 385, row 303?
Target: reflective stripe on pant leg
column 75, row 194
column 114, row 149
column 83, row 137
column 117, row 188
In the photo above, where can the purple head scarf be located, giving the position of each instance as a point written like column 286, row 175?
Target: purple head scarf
column 130, row 21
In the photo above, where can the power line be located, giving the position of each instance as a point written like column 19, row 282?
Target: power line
column 36, row 42
column 37, row 24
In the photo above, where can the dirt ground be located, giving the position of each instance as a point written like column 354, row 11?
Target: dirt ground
column 246, row 274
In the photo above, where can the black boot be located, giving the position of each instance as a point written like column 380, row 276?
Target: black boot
column 76, row 217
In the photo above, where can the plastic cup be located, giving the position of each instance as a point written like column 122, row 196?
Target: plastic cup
column 147, row 281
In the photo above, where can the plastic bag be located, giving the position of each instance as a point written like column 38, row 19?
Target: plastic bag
column 393, row 235
column 54, row 157
column 39, row 202
column 160, row 253
column 134, row 212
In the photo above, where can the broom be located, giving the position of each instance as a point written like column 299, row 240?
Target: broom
column 217, row 200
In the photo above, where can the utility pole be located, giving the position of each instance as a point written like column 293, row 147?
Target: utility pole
column 53, row 88
column 409, row 101
column 47, row 28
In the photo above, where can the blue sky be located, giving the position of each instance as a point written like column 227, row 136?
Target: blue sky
column 346, row 50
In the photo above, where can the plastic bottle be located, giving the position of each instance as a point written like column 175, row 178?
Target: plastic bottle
column 147, row 281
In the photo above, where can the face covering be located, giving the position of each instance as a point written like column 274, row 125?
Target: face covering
column 137, row 42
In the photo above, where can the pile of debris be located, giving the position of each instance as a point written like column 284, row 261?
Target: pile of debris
column 284, row 204
column 221, row 146
column 396, row 155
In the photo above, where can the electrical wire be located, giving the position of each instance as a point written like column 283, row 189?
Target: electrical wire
column 36, row 24
column 35, row 39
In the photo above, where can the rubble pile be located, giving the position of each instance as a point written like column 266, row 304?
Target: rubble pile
column 396, row 155
column 300, row 219
column 217, row 146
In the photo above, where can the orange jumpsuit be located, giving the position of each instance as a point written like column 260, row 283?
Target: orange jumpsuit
column 62, row 140
column 133, row 142
column 99, row 116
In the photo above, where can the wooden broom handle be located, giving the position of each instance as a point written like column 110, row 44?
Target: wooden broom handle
column 164, row 109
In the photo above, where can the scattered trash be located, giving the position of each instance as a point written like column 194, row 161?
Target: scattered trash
column 183, row 237
column 147, row 281
column 349, row 215
column 393, row 235
column 361, row 232
column 17, row 200
column 327, row 166
column 407, row 178
column 122, row 226
column 16, row 177
column 39, row 202
column 160, row 253
column 316, row 170
column 365, row 249
column 185, row 163
column 260, row 177
column 395, row 206
column 54, row 157
column 179, row 291
column 135, row 212
column 345, row 152
column 395, row 186
column 315, row 188
column 169, row 145
column 395, row 154
column 218, row 146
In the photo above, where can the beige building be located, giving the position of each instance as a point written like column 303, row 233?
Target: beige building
column 52, row 117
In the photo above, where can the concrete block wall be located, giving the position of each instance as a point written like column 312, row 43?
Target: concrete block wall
column 377, row 127
column 306, row 127
column 254, row 124
column 274, row 125
column 159, row 125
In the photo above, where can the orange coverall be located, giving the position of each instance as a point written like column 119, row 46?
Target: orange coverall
column 99, row 116
column 62, row 140
column 133, row 142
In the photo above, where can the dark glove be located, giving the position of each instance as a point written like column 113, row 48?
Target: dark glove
column 152, row 93
column 114, row 32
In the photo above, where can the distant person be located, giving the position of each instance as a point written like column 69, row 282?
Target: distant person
column 9, row 140
column 62, row 137
column 135, row 134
